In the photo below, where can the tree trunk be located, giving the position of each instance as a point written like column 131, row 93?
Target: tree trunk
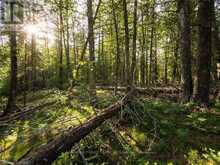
column 25, row 69
column 166, row 66
column 117, row 48
column 185, row 48
column 60, row 47
column 175, row 61
column 143, row 46
column 127, row 51
column 155, row 74
column 85, row 46
column 33, row 57
column 92, row 72
column 33, row 61
column 204, row 56
column 133, row 64
column 216, row 43
column 151, row 44
column 13, row 74
column 69, row 72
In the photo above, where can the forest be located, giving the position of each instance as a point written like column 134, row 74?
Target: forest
column 109, row 82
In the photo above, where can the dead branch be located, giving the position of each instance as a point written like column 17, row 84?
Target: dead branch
column 46, row 154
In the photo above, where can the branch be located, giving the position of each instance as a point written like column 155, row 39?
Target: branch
column 48, row 153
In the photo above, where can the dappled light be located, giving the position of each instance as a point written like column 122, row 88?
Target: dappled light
column 109, row 82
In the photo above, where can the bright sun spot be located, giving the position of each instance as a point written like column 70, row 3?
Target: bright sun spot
column 41, row 30
column 31, row 29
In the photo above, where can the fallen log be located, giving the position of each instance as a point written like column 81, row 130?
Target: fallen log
column 22, row 113
column 48, row 153
column 149, row 90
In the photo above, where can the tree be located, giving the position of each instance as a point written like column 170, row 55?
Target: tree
column 204, row 51
column 185, row 48
column 33, row 55
column 216, row 43
column 152, row 36
column 133, row 65
column 143, row 64
column 66, row 36
column 11, row 105
column 117, row 44
column 60, row 44
column 127, row 51
column 92, row 73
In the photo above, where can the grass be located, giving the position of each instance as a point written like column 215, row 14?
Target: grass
column 147, row 132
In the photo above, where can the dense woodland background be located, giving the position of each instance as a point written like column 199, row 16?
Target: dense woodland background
column 71, row 59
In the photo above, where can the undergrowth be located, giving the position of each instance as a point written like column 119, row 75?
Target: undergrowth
column 147, row 131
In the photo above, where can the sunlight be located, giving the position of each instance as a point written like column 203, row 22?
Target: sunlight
column 41, row 30
column 31, row 29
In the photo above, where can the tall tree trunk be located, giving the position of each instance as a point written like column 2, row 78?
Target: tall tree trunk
column 216, row 43
column 143, row 47
column 13, row 74
column 25, row 69
column 69, row 72
column 175, row 61
column 151, row 43
column 127, row 51
column 33, row 57
column 204, row 50
column 166, row 65
column 104, row 59
column 33, row 60
column 155, row 77
column 117, row 44
column 133, row 64
column 60, row 47
column 92, row 73
column 147, row 64
column 86, row 43
column 185, row 48
column 75, row 56
column 99, row 61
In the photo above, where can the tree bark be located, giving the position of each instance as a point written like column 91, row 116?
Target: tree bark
column 92, row 71
column 134, row 58
column 143, row 57
column 151, row 44
column 166, row 65
column 204, row 50
column 127, row 50
column 216, row 44
column 13, row 74
column 185, row 48
column 33, row 57
column 175, row 61
column 69, row 72
column 60, row 46
column 117, row 44
column 155, row 74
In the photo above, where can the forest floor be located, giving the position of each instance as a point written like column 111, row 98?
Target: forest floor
column 148, row 131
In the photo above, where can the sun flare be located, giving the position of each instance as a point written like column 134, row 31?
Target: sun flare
column 41, row 30
column 31, row 29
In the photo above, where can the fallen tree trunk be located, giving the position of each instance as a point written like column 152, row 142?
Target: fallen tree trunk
column 148, row 91
column 23, row 113
column 46, row 154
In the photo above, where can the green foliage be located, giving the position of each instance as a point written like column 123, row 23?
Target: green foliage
column 146, row 132
column 4, row 70
column 209, row 157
